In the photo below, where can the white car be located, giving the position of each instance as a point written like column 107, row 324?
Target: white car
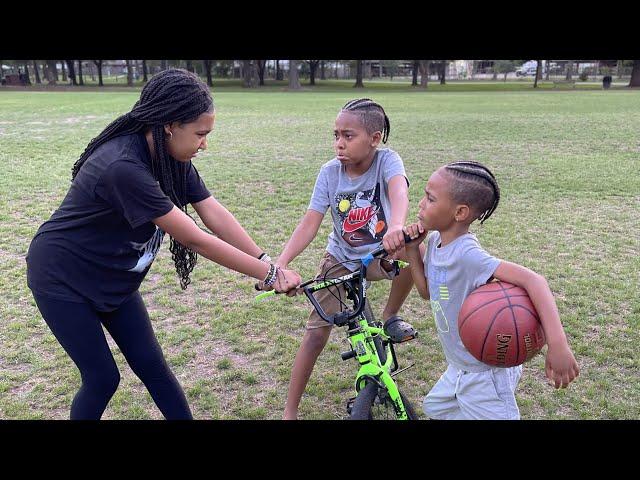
column 528, row 70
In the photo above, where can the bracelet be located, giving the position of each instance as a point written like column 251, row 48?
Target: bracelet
column 264, row 257
column 272, row 275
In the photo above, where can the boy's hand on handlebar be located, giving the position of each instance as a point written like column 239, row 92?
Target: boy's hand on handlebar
column 393, row 240
column 417, row 233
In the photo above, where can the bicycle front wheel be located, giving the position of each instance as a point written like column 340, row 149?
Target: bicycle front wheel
column 373, row 403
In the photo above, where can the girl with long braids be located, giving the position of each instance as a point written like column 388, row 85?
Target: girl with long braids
column 453, row 266
column 366, row 189
column 85, row 264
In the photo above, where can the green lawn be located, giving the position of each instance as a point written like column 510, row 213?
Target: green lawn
column 567, row 163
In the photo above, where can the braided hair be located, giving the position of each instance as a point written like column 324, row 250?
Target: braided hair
column 474, row 185
column 173, row 95
column 371, row 114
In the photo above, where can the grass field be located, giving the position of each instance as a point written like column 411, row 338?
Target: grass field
column 568, row 166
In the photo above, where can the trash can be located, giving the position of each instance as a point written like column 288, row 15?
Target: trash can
column 606, row 81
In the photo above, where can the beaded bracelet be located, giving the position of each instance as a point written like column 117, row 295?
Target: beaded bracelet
column 271, row 277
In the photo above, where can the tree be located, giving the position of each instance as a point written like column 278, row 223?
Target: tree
column 424, row 73
column 322, row 74
column 313, row 65
column 538, row 73
column 163, row 64
column 569, row 70
column 548, row 66
column 443, row 72
column 635, row 74
column 249, row 74
column 294, row 79
column 72, row 72
column 391, row 66
column 80, row 79
column 504, row 66
column 207, row 70
column 52, row 72
column 64, row 70
column 129, row 73
column 35, row 69
column 261, row 67
column 145, row 77
column 416, row 67
column 278, row 70
column 26, row 73
column 359, row 83
column 190, row 66
column 99, row 67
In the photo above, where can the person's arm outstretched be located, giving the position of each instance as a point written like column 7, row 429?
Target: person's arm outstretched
column 393, row 240
column 301, row 237
column 222, row 222
column 415, row 253
column 560, row 364
column 182, row 228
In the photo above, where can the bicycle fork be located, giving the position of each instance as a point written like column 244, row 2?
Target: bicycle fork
column 371, row 366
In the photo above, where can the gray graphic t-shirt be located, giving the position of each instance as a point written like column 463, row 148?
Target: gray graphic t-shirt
column 360, row 206
column 453, row 272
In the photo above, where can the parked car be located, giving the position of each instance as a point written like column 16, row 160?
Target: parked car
column 526, row 70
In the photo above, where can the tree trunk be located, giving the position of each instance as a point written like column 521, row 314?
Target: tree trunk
column 322, row 74
column 635, row 74
column 52, row 72
column 80, row 79
column 99, row 67
column 207, row 69
column 538, row 74
column 249, row 74
column 64, row 71
column 424, row 73
column 190, row 66
column 163, row 65
column 569, row 70
column 359, row 83
column 27, row 80
column 145, row 74
column 313, row 66
column 72, row 72
column 414, row 80
column 261, row 68
column 294, row 79
column 278, row 70
column 619, row 64
column 129, row 73
column 548, row 65
column 35, row 69
column 443, row 72
column 495, row 71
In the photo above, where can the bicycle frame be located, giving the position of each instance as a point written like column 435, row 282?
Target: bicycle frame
column 369, row 343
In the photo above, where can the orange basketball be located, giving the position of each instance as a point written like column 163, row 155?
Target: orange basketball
column 499, row 325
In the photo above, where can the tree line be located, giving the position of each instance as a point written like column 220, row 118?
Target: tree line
column 253, row 72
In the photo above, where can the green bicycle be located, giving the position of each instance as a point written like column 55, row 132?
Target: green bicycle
column 377, row 395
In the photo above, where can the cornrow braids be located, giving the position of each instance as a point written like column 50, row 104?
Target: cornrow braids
column 173, row 95
column 372, row 115
column 476, row 186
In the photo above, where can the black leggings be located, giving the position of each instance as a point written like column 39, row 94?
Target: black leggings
column 78, row 328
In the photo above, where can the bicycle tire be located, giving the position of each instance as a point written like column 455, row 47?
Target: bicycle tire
column 365, row 406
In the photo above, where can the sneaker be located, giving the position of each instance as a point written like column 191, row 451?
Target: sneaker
column 398, row 330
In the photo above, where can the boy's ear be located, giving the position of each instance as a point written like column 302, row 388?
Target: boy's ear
column 375, row 138
column 463, row 213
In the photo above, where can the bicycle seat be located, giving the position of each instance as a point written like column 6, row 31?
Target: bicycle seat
column 398, row 330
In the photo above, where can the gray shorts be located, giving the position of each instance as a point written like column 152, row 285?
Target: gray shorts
column 487, row 395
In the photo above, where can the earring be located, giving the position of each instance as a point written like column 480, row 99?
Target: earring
column 170, row 135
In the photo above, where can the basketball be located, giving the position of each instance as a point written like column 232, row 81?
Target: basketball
column 499, row 325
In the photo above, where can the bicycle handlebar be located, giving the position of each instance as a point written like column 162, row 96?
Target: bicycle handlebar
column 340, row 317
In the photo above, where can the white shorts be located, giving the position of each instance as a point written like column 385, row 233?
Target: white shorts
column 461, row 395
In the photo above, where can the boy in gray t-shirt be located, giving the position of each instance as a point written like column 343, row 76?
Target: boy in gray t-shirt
column 366, row 189
column 454, row 266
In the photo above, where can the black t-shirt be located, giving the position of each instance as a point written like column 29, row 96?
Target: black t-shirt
column 98, row 246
